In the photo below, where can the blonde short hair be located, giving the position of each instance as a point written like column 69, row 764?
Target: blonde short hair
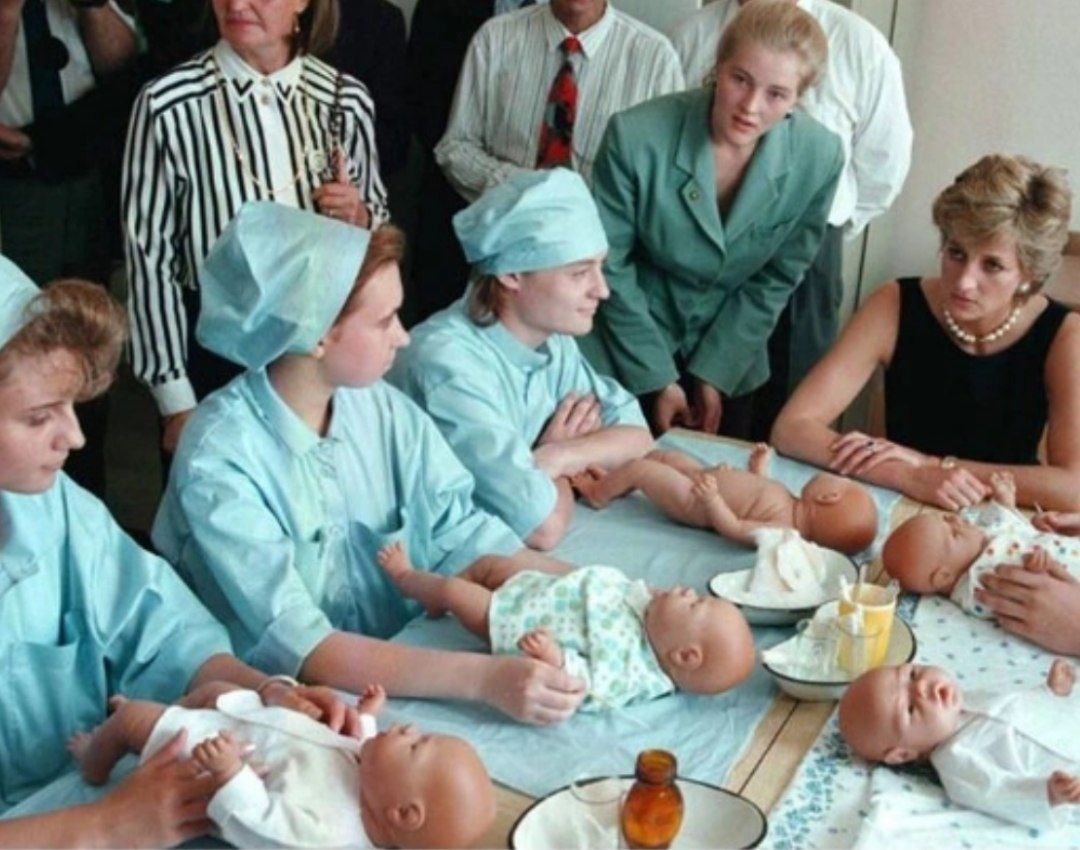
column 80, row 318
column 782, row 27
column 1012, row 196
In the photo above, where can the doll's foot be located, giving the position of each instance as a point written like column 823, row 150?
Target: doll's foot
column 1062, row 677
column 395, row 562
column 371, row 700
column 539, row 644
column 589, row 485
column 760, row 459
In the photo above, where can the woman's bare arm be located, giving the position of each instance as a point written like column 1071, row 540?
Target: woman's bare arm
column 804, row 428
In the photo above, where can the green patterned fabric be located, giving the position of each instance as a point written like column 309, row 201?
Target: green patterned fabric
column 597, row 616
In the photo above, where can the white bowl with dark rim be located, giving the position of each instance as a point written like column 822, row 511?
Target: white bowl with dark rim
column 713, row 817
column 902, row 649
column 839, row 566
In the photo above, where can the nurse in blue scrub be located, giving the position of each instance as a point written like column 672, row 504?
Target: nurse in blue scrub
column 84, row 612
column 289, row 480
column 499, row 370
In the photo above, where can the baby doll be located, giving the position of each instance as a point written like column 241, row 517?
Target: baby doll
column 947, row 553
column 1008, row 754
column 628, row 642
column 831, row 511
column 314, row 788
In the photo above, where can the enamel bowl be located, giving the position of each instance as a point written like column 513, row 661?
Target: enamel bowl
column 730, row 586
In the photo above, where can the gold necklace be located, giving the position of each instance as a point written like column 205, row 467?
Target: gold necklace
column 221, row 103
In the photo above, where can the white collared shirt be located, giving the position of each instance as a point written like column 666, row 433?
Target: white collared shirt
column 76, row 77
column 498, row 109
column 861, row 99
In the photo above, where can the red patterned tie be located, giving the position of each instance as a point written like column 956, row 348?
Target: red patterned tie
column 557, row 131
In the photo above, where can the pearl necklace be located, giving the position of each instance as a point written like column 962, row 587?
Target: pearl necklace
column 997, row 333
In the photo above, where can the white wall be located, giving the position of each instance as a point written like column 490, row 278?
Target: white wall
column 981, row 76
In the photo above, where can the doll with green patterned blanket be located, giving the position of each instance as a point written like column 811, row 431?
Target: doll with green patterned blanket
column 629, row 642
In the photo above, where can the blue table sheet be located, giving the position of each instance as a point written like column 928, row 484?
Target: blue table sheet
column 707, row 734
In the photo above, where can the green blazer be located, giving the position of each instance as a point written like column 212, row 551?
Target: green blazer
column 685, row 284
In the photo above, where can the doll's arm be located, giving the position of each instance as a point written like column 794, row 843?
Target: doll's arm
column 719, row 513
column 250, row 815
column 992, row 780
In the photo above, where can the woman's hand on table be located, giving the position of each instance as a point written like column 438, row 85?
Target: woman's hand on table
column 1039, row 601
column 923, row 478
column 161, row 803
column 1057, row 522
column 531, row 691
column 951, row 488
column 856, row 453
column 340, row 198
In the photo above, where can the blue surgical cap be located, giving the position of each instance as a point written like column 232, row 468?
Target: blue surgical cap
column 535, row 220
column 275, row 282
column 16, row 293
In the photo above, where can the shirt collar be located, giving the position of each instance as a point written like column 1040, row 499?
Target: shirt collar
column 591, row 39
column 246, row 79
column 280, row 418
column 18, row 560
column 513, row 349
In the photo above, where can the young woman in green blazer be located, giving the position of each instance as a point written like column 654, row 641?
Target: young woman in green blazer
column 714, row 202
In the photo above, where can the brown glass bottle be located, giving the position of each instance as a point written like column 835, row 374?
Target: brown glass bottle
column 653, row 810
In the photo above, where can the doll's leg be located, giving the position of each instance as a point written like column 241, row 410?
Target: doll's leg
column 125, row 731
column 1061, row 678
column 665, row 486
column 466, row 600
column 687, row 465
column 760, row 459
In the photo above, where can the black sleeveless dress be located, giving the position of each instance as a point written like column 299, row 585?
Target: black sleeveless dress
column 944, row 401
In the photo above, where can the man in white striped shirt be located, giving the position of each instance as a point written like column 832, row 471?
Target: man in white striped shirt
column 495, row 122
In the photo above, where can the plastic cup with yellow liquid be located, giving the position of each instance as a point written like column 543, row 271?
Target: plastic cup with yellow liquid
column 864, row 644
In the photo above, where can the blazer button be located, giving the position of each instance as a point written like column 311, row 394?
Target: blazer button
column 695, row 195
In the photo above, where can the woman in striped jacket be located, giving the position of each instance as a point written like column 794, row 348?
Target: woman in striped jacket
column 257, row 117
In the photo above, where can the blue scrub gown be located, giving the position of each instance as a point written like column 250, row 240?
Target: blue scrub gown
column 277, row 528
column 491, row 396
column 84, row 614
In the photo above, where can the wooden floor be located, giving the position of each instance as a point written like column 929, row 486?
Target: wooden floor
column 779, row 744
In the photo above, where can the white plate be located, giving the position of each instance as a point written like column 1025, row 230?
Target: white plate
column 902, row 647
column 731, row 586
column 712, row 817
